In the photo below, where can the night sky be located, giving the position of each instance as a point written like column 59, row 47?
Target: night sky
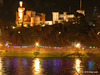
column 8, row 8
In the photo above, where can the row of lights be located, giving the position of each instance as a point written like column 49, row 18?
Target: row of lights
column 78, row 45
column 51, row 47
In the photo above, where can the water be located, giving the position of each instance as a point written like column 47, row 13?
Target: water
column 49, row 66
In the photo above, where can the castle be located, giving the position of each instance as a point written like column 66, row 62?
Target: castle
column 31, row 18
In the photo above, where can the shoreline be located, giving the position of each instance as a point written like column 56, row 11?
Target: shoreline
column 37, row 54
column 44, row 52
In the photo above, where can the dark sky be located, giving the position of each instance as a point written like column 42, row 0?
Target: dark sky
column 8, row 8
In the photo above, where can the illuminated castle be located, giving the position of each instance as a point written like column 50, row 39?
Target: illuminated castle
column 59, row 18
column 28, row 18
column 31, row 18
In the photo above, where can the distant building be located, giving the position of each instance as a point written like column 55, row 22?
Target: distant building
column 81, row 11
column 59, row 18
column 28, row 18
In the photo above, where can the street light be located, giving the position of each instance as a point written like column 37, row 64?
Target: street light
column 19, row 32
column 13, row 27
column 37, row 49
column 37, row 44
column 59, row 32
column 78, row 45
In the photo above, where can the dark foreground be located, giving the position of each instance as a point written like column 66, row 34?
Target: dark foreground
column 49, row 66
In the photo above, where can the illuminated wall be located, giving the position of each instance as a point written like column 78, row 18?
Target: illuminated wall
column 21, row 14
column 55, row 17
column 48, row 22
column 37, row 20
column 32, row 21
column 64, row 15
column 61, row 17
column 81, row 11
column 70, row 16
column 30, row 13
column 42, row 17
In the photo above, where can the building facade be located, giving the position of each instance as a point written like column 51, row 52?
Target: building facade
column 28, row 18
column 59, row 18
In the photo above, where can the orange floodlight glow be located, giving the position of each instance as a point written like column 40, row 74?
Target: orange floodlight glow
column 21, row 3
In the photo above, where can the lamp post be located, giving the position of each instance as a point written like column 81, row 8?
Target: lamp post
column 36, row 52
column 78, row 45
column 37, row 44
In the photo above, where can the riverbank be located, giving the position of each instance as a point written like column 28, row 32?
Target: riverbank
column 48, row 52
column 37, row 54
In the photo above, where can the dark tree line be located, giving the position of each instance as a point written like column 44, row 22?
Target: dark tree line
column 76, row 30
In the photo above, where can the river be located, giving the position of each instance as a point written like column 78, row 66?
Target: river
column 49, row 66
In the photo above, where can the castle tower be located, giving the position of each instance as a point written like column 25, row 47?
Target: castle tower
column 20, row 14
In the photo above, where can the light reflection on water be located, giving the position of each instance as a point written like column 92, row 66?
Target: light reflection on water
column 37, row 67
column 77, row 64
column 1, row 66
column 91, row 65
column 45, row 66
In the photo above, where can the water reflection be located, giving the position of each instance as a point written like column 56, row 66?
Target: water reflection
column 78, row 66
column 37, row 64
column 24, row 62
column 37, row 67
column 91, row 65
column 1, row 66
column 78, row 62
column 45, row 66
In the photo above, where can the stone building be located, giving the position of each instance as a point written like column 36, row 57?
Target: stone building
column 28, row 18
column 59, row 18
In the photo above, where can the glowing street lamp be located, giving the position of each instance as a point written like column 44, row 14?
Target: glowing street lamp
column 78, row 45
column 37, row 44
column 59, row 32
column 19, row 32
column 13, row 27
